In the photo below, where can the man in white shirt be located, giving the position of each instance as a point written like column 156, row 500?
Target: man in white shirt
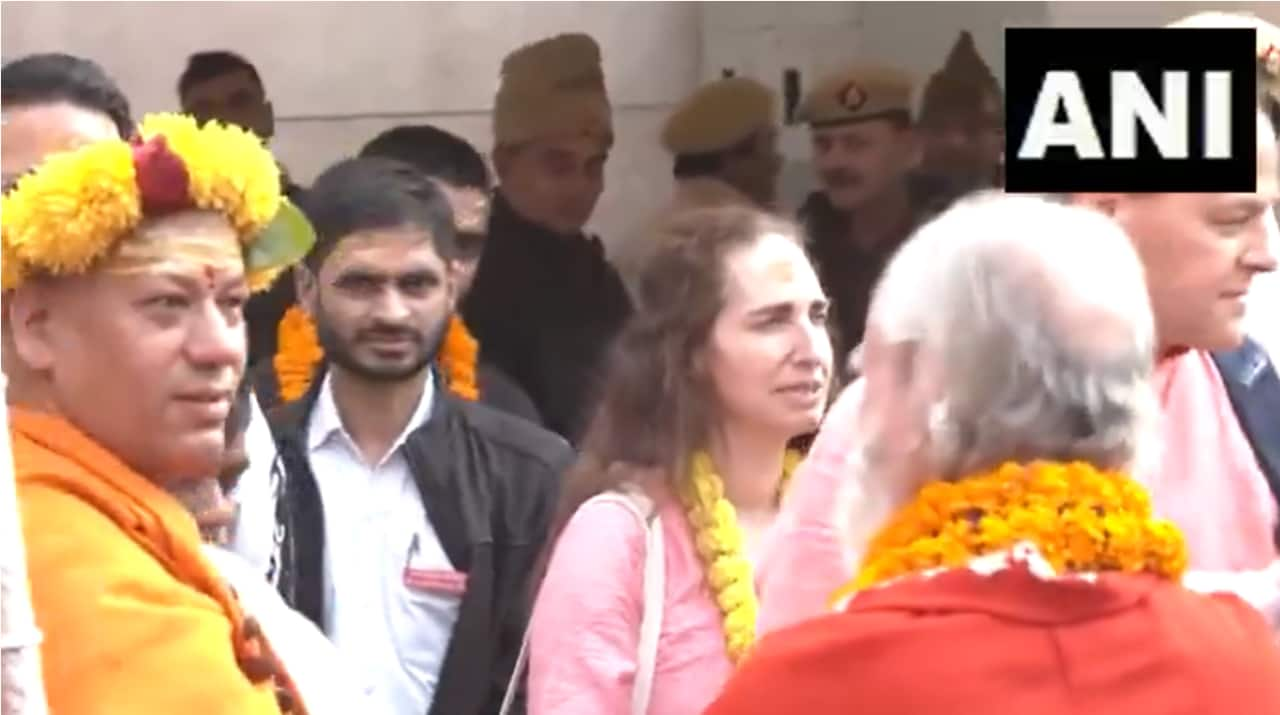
column 411, row 517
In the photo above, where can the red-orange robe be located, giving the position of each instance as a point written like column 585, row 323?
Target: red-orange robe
column 135, row 620
column 1012, row 644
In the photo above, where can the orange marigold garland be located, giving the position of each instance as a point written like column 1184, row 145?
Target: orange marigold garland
column 298, row 352
column 298, row 355
column 1081, row 519
column 458, row 356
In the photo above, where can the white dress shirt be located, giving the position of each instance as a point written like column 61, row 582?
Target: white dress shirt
column 385, row 605
column 255, row 495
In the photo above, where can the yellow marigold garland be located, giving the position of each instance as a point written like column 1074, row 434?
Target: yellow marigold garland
column 70, row 212
column 720, row 544
column 298, row 354
column 1081, row 519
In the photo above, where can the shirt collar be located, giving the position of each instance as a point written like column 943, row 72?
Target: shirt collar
column 325, row 421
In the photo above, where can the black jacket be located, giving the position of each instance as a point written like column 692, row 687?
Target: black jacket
column 848, row 271
column 545, row 308
column 489, row 483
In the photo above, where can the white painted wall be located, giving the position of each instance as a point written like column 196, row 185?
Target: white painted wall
column 340, row 72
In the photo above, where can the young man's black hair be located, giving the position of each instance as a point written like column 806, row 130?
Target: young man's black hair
column 204, row 66
column 435, row 152
column 56, row 77
column 372, row 193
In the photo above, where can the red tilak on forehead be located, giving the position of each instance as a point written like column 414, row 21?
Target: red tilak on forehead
column 209, row 275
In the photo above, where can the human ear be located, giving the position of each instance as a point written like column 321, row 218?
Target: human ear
column 28, row 318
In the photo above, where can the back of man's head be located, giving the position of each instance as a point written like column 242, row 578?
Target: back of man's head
column 1034, row 319
column 51, row 78
column 371, row 194
column 435, row 152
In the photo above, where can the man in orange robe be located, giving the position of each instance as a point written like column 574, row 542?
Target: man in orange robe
column 126, row 267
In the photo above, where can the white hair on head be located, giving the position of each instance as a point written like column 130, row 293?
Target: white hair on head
column 1037, row 318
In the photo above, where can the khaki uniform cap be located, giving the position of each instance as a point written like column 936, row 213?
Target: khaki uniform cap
column 719, row 115
column 553, row 88
column 856, row 94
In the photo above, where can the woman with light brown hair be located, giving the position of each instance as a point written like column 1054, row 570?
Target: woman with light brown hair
column 649, row 598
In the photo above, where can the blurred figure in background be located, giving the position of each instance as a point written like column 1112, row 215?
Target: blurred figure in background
column 962, row 123
column 724, row 140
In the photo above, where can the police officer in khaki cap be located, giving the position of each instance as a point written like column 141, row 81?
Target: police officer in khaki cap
column 865, row 150
column 723, row 139
column 962, row 121
column 545, row 303
column 726, row 132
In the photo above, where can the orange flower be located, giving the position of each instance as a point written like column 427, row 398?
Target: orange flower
column 458, row 357
column 298, row 355
column 1080, row 518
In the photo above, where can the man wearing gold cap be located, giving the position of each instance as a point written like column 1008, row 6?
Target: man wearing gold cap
column 723, row 138
column 545, row 303
column 126, row 267
column 962, row 122
column 865, row 149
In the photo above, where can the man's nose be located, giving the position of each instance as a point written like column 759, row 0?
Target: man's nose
column 392, row 306
column 1260, row 255
column 217, row 337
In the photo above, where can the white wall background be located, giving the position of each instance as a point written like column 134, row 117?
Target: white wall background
column 340, row 72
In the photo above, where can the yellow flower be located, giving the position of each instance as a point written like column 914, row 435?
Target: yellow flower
column 719, row 542
column 68, row 214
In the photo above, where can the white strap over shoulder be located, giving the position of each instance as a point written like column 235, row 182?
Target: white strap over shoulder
column 652, row 607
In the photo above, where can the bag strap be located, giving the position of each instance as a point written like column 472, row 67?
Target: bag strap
column 652, row 607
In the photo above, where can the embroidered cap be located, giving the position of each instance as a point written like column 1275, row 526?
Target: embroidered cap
column 856, row 94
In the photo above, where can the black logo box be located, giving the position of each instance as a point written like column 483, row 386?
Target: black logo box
column 1094, row 53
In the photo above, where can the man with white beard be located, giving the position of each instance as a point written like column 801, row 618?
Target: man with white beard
column 1002, row 557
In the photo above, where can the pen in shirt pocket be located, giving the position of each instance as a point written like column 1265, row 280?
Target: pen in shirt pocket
column 439, row 581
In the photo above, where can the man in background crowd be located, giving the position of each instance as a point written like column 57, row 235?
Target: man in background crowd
column 461, row 174
column 724, row 142
column 545, row 303
column 962, row 122
column 50, row 103
column 865, row 150
column 222, row 85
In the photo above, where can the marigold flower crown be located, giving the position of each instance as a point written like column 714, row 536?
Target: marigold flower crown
column 76, row 207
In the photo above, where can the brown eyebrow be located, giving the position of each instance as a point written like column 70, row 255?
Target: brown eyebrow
column 771, row 310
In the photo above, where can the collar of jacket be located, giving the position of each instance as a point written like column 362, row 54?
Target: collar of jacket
column 513, row 231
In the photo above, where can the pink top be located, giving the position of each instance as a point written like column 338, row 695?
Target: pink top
column 584, row 632
column 1208, row 480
